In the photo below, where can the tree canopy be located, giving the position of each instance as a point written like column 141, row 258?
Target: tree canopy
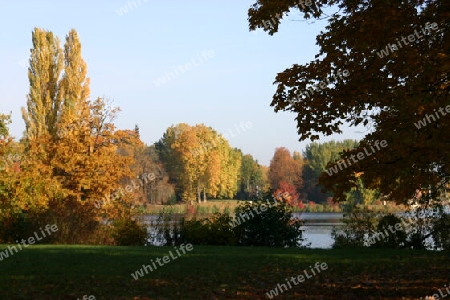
column 383, row 64
column 200, row 162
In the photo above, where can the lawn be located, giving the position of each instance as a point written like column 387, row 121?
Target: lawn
column 208, row 272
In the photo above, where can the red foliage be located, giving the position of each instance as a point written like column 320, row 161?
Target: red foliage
column 331, row 203
column 287, row 192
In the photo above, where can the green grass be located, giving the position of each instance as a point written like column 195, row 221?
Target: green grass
column 208, row 272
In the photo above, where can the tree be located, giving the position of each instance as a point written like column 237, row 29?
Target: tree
column 74, row 89
column 71, row 143
column 251, row 177
column 200, row 162
column 318, row 156
column 284, row 168
column 383, row 64
column 44, row 99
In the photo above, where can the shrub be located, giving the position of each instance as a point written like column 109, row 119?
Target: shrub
column 319, row 208
column 214, row 231
column 195, row 231
column 359, row 225
column 220, row 230
column 15, row 227
column 441, row 231
column 273, row 227
column 392, row 240
column 128, row 232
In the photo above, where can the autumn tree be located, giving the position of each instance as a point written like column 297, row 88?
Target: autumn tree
column 146, row 164
column 200, row 162
column 71, row 140
column 382, row 64
column 26, row 186
column 285, row 168
column 159, row 191
column 44, row 72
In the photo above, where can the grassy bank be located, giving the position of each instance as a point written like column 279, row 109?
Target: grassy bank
column 207, row 272
column 212, row 206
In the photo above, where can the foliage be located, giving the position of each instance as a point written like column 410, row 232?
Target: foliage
column 273, row 227
column 200, row 162
column 5, row 120
column 359, row 194
column 393, row 240
column 15, row 227
column 285, row 168
column 75, row 221
column 208, row 231
column 70, row 156
column 44, row 100
column 422, row 228
column 441, row 231
column 251, row 178
column 317, row 156
column 288, row 193
column 359, row 225
column 146, row 161
column 389, row 85
column 128, row 232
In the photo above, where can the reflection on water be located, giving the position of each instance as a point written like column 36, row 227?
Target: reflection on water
column 317, row 228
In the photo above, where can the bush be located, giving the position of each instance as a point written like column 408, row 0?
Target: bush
column 319, row 208
column 359, row 225
column 391, row 240
column 15, row 228
column 195, row 231
column 273, row 227
column 128, row 232
column 363, row 228
column 214, row 231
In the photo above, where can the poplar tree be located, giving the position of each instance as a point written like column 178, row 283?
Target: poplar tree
column 74, row 86
column 44, row 98
column 71, row 139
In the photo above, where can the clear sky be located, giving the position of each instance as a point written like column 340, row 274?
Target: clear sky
column 130, row 46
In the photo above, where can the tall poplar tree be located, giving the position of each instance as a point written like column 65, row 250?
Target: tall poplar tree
column 72, row 138
column 74, row 85
column 44, row 73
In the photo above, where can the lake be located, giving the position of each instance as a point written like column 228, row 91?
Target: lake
column 317, row 228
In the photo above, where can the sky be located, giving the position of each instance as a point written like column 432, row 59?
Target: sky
column 134, row 50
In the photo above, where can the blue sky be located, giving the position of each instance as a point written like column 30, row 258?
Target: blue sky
column 127, row 52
